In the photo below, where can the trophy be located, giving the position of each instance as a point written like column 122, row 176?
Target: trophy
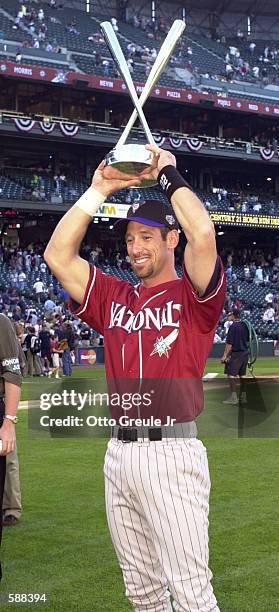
column 134, row 158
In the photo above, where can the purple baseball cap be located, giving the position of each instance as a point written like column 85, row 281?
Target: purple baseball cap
column 154, row 213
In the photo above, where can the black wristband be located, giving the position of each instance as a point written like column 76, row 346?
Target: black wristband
column 170, row 180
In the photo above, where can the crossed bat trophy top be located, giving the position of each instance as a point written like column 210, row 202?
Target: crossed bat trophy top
column 134, row 158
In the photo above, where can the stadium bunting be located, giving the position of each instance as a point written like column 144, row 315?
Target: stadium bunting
column 68, row 129
column 176, row 142
column 159, row 139
column 194, row 144
column 47, row 126
column 24, row 125
column 266, row 153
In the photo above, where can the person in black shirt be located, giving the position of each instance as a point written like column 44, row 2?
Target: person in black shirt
column 235, row 358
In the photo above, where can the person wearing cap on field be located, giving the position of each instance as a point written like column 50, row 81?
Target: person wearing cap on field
column 156, row 333
column 235, row 357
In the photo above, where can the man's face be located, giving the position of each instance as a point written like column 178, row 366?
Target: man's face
column 147, row 250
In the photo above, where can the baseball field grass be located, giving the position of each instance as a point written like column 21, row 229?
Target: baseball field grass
column 61, row 546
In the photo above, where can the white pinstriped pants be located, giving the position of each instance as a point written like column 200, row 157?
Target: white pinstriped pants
column 157, row 502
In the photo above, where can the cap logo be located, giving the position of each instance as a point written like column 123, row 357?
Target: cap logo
column 135, row 206
column 170, row 219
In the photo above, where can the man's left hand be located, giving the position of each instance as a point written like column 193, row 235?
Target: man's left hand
column 8, row 436
column 161, row 158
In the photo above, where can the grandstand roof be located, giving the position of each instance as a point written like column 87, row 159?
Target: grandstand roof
column 246, row 7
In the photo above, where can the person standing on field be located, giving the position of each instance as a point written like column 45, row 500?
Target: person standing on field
column 157, row 335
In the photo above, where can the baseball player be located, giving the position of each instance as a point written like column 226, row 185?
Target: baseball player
column 157, row 336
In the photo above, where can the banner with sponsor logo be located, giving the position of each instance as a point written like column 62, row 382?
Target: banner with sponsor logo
column 245, row 219
column 182, row 94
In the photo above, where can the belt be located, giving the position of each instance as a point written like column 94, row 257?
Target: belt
column 132, row 434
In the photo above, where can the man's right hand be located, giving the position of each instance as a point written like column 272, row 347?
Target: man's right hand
column 107, row 180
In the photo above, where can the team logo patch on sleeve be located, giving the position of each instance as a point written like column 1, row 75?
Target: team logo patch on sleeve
column 10, row 364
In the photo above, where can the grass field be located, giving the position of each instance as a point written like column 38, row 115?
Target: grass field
column 61, row 546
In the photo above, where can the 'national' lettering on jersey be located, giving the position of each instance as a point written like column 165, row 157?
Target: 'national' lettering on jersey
column 147, row 318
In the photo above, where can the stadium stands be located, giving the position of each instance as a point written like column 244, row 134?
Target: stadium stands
column 16, row 184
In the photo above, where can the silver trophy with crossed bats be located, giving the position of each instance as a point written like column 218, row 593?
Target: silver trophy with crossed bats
column 135, row 158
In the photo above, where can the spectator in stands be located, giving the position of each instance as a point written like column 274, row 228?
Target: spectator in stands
column 257, row 207
column 48, row 47
column 41, row 14
column 258, row 275
column 114, row 24
column 18, row 57
column 130, row 64
column 269, row 315
column 105, row 66
column 252, row 47
column 21, row 281
column 39, row 289
column 246, row 271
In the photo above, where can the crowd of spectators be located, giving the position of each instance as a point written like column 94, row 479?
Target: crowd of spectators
column 51, row 335
column 40, row 312
column 32, row 20
column 263, row 66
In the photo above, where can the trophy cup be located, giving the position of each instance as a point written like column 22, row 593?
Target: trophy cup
column 134, row 158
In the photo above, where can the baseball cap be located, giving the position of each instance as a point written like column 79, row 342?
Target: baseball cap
column 154, row 213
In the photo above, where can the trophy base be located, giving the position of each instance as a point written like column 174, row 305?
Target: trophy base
column 131, row 159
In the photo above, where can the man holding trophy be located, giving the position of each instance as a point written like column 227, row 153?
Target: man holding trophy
column 156, row 473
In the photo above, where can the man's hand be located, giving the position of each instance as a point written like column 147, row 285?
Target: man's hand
column 223, row 359
column 161, row 158
column 8, row 436
column 107, row 179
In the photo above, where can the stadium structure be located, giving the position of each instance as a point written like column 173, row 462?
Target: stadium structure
column 63, row 106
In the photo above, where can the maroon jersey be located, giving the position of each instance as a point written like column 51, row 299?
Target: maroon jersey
column 159, row 333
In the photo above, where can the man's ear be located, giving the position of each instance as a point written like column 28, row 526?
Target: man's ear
column 172, row 239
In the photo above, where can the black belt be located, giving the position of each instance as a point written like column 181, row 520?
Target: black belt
column 155, row 434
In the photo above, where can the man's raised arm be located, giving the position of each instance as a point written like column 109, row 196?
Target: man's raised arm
column 62, row 251
column 200, row 253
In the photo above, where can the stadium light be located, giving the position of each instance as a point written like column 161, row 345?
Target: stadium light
column 249, row 25
column 153, row 11
column 220, row 233
column 269, row 178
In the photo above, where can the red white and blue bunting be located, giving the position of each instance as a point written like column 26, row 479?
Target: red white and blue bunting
column 266, row 153
column 24, row 125
column 47, row 126
column 69, row 129
column 176, row 142
column 194, row 144
column 159, row 139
